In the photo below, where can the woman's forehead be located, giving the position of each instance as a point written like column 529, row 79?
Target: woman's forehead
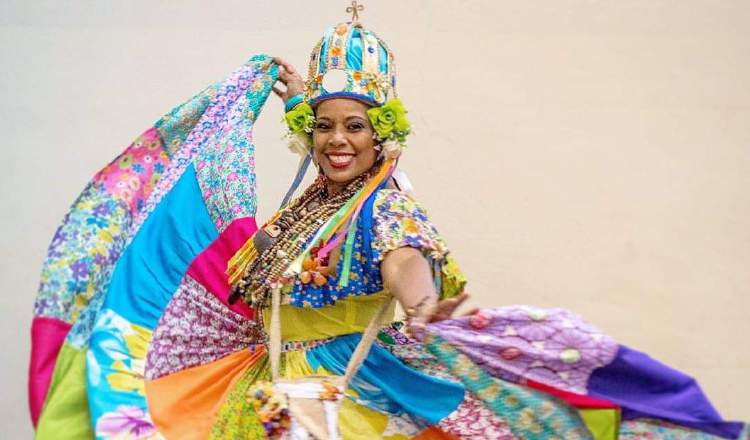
column 339, row 108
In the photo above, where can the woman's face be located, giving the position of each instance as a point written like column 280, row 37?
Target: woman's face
column 343, row 141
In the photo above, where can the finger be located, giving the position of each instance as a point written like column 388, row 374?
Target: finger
column 282, row 62
column 460, row 299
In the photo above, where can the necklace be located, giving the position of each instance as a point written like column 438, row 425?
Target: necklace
column 285, row 236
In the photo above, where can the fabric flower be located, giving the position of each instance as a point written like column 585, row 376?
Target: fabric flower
column 300, row 119
column 389, row 120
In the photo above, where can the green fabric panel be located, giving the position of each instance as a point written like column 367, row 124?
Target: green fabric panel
column 604, row 424
column 236, row 419
column 66, row 412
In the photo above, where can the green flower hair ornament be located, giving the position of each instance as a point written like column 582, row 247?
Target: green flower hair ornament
column 391, row 127
column 301, row 121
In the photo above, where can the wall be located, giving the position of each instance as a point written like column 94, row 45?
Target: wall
column 592, row 155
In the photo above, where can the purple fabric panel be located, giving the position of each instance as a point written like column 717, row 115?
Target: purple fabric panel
column 645, row 387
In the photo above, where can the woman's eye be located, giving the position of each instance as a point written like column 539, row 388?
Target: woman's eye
column 321, row 126
column 356, row 126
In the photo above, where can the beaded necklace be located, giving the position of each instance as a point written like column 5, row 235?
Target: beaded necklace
column 274, row 246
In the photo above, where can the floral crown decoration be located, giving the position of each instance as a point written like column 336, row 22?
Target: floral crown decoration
column 350, row 62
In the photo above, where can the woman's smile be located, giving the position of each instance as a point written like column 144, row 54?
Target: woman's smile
column 340, row 161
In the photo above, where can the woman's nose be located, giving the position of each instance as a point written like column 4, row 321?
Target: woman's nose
column 338, row 137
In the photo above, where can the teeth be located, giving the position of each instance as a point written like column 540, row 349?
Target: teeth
column 340, row 159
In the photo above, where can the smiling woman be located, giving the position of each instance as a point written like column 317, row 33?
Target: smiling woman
column 179, row 318
column 344, row 146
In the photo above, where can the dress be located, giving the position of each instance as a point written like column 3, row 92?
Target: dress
column 134, row 336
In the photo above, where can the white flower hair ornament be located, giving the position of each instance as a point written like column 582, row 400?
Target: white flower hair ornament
column 300, row 121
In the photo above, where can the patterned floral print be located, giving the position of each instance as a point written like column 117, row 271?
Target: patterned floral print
column 237, row 419
column 554, row 347
column 226, row 168
column 195, row 329
column 648, row 429
column 81, row 255
column 530, row 414
column 399, row 222
column 175, row 126
column 132, row 176
column 473, row 421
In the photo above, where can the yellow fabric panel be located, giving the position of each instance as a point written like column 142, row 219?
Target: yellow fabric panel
column 604, row 424
column 350, row 315
column 358, row 422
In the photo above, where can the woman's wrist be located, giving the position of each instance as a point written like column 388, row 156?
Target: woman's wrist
column 293, row 102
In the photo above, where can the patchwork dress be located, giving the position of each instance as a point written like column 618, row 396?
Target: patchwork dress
column 133, row 336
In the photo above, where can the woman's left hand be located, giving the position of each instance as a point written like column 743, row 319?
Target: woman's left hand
column 290, row 78
column 445, row 308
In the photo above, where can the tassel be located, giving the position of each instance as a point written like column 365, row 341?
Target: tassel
column 241, row 260
column 348, row 250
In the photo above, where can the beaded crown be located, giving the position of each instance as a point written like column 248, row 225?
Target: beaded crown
column 351, row 62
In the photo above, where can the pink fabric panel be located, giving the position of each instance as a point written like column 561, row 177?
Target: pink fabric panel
column 47, row 336
column 209, row 268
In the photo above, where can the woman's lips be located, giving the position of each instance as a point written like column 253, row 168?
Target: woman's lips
column 340, row 161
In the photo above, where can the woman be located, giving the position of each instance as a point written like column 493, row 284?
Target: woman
column 169, row 351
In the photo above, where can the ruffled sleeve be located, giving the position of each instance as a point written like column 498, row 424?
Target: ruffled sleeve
column 399, row 221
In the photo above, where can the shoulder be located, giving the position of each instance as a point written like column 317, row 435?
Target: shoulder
column 394, row 202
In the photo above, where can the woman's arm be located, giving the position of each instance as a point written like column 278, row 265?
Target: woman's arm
column 407, row 275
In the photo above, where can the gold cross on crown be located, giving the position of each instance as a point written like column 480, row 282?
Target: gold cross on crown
column 355, row 9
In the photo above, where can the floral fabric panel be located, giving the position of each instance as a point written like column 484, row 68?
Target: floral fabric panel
column 530, row 414
column 554, row 347
column 132, row 177
column 649, row 429
column 175, row 126
column 82, row 254
column 226, row 166
column 472, row 420
column 195, row 329
column 115, row 366
column 398, row 221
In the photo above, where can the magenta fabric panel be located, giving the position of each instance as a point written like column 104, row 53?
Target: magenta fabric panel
column 47, row 336
column 210, row 266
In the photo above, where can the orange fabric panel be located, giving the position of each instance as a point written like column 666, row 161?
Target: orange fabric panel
column 433, row 433
column 184, row 405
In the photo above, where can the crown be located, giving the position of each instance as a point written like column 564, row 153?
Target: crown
column 351, row 62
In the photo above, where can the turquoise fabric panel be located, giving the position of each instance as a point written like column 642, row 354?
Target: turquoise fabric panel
column 386, row 384
column 324, row 51
column 153, row 265
column 354, row 50
column 383, row 59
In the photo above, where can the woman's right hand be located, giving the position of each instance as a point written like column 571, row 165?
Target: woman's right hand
column 290, row 78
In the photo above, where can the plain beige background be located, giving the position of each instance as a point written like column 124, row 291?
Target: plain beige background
column 593, row 155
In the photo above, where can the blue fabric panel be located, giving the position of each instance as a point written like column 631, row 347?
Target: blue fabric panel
column 324, row 51
column 354, row 50
column 386, row 384
column 645, row 387
column 153, row 265
column 383, row 59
